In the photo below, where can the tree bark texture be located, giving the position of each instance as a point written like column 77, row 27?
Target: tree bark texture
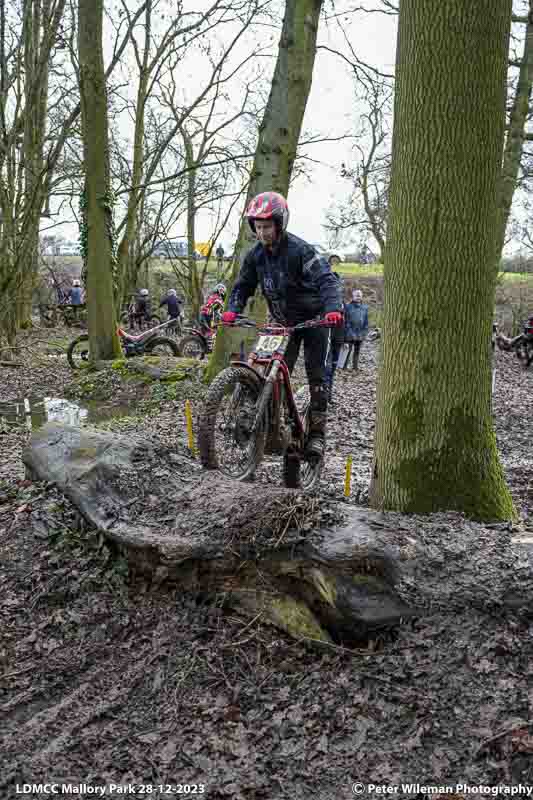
column 103, row 338
column 126, row 255
column 25, row 171
column 435, row 447
column 194, row 288
column 279, row 133
column 514, row 143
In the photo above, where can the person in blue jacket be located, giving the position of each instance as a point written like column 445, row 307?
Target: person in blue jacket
column 355, row 327
column 75, row 296
column 298, row 285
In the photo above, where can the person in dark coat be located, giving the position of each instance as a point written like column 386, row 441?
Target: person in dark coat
column 298, row 285
column 143, row 308
column 174, row 306
column 355, row 327
column 337, row 343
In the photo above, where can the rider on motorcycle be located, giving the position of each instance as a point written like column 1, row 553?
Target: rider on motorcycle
column 298, row 285
column 212, row 309
column 143, row 307
column 173, row 303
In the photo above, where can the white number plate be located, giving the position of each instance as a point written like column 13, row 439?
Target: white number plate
column 268, row 344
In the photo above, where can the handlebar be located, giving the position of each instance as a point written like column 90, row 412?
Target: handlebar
column 245, row 322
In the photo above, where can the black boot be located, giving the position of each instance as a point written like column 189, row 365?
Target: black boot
column 355, row 362
column 316, row 443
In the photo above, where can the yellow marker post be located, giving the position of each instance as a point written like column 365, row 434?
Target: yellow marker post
column 190, row 434
column 348, row 477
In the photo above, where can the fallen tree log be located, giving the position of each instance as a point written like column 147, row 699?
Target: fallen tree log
column 319, row 570
column 262, row 549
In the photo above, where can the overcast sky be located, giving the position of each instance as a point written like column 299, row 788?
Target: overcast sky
column 331, row 111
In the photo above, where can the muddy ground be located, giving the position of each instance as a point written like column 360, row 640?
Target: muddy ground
column 104, row 683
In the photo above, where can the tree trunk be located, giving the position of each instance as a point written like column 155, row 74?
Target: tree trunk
column 193, row 284
column 435, row 447
column 103, row 339
column 38, row 26
column 279, row 134
column 34, row 122
column 514, row 144
column 126, row 259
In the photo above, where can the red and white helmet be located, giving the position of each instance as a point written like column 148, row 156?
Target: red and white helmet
column 268, row 205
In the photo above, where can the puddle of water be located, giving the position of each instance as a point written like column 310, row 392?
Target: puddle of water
column 34, row 412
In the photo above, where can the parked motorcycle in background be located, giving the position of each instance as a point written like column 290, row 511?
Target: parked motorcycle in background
column 150, row 342
column 522, row 344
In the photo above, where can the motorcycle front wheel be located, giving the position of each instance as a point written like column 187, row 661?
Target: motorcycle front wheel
column 231, row 435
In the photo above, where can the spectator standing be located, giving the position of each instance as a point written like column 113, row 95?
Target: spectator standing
column 219, row 252
column 355, row 327
column 75, row 296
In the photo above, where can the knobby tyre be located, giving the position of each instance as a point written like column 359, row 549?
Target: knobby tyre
column 162, row 345
column 298, row 471
column 78, row 351
column 192, row 347
column 231, row 435
column 524, row 353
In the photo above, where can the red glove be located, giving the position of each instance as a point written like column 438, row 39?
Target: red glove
column 228, row 317
column 335, row 317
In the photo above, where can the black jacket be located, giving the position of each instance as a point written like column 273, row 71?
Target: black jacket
column 297, row 283
column 174, row 305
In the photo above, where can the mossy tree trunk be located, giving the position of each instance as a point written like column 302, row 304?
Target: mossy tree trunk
column 435, row 447
column 103, row 339
column 24, row 171
column 35, row 26
column 514, row 144
column 279, row 134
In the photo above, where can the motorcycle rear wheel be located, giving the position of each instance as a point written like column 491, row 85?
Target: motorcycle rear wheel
column 231, row 437
column 301, row 473
column 78, row 351
column 163, row 346
column 298, row 471
column 524, row 353
column 192, row 347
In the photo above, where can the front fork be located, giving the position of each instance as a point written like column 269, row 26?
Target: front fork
column 269, row 414
column 268, row 395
